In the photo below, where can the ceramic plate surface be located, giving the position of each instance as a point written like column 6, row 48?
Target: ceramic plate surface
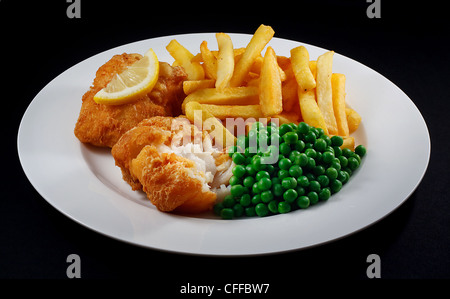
column 83, row 182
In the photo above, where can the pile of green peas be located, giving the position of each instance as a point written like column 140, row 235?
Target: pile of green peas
column 281, row 169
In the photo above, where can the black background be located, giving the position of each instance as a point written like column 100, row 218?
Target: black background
column 408, row 45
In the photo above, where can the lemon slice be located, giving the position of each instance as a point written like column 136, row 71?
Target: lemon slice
column 138, row 79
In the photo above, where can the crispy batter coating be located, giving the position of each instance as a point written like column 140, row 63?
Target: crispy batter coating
column 103, row 125
column 171, row 182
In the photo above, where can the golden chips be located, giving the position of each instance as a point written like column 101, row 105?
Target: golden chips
column 245, row 83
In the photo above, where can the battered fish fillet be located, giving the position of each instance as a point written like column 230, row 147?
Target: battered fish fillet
column 102, row 125
column 174, row 163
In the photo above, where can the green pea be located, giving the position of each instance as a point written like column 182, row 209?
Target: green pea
column 323, row 180
column 336, row 164
column 256, row 199
column 256, row 163
column 250, row 211
column 237, row 190
column 245, row 200
column 228, row 201
column 255, row 189
column 284, row 128
column 335, row 186
column 275, row 138
column 343, row 160
column 293, row 155
column 227, row 213
column 218, row 208
column 276, row 180
column 284, row 207
column 249, row 170
column 346, row 152
column 332, row 173
column 242, row 141
column 300, row 190
column 337, row 140
column 301, row 160
column 262, row 174
column 311, row 153
column 277, row 190
column 235, row 180
column 266, row 196
column 290, row 195
column 303, row 128
column 290, row 137
column 320, row 145
column 360, row 150
column 303, row 202
column 311, row 163
column 353, row 163
column 238, row 210
column 248, row 182
column 285, row 149
column 239, row 171
column 300, row 145
column 261, row 210
column 273, row 206
column 238, row 158
column 319, row 170
column 314, row 186
column 250, row 151
column 284, row 164
column 295, row 171
column 282, row 173
column 343, row 176
column 270, row 169
column 337, row 151
column 321, row 132
column 289, row 183
column 310, row 137
column 232, row 149
column 324, row 194
column 327, row 157
column 303, row 181
column 264, row 184
column 313, row 197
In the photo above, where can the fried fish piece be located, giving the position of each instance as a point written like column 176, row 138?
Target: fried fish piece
column 174, row 163
column 102, row 125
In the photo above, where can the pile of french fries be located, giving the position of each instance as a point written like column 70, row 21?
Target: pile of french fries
column 243, row 83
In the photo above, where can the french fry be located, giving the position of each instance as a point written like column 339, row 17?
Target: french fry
column 209, row 61
column 286, row 118
column 202, row 118
column 349, row 142
column 256, row 66
column 353, row 119
column 338, row 92
column 270, row 95
column 259, row 40
column 194, row 85
column 183, row 57
column 324, row 91
column 310, row 110
column 234, row 111
column 228, row 96
column 300, row 66
column 289, row 93
column 313, row 68
column 225, row 60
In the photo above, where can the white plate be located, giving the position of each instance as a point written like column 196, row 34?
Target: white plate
column 83, row 183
